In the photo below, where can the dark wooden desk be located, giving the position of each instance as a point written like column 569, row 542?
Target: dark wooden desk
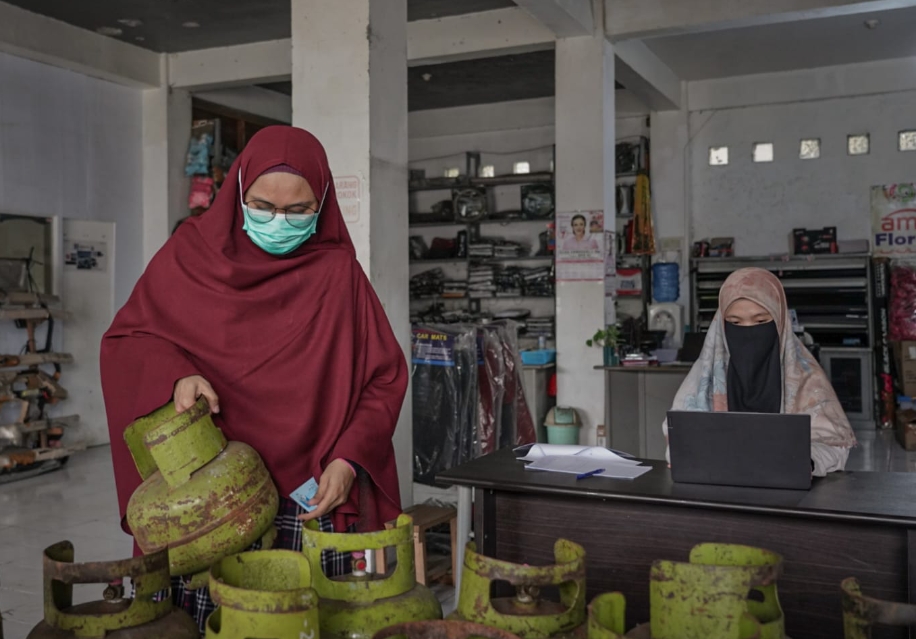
column 849, row 524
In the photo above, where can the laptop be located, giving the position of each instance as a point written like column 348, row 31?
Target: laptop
column 753, row 450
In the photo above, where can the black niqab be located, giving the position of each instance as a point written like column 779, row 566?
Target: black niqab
column 754, row 382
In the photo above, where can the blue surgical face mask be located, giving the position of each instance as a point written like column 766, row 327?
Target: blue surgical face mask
column 272, row 232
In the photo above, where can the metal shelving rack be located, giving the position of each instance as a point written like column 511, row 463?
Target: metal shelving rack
column 506, row 218
column 31, row 444
column 831, row 294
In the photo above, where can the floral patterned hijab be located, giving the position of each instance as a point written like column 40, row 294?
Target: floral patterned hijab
column 806, row 388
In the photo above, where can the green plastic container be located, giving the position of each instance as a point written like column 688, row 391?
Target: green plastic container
column 562, row 434
column 562, row 425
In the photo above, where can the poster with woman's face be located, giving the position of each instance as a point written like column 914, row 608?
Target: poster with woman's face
column 581, row 233
column 580, row 245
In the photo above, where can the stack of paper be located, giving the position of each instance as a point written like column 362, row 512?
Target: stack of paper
column 583, row 460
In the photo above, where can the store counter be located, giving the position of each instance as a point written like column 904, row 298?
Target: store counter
column 855, row 524
column 636, row 402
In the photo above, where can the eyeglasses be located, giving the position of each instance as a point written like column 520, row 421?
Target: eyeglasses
column 297, row 216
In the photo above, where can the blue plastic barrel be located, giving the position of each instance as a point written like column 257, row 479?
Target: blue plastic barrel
column 665, row 281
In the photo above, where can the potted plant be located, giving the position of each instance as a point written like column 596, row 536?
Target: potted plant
column 607, row 338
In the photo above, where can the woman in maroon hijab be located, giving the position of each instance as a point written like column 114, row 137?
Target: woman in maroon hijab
column 260, row 306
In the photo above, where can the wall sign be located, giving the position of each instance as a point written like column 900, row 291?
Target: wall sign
column 348, row 189
column 893, row 218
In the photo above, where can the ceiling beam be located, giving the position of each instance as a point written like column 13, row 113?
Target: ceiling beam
column 257, row 101
column 646, row 76
column 237, row 65
column 36, row 37
column 476, row 35
column 565, row 18
column 632, row 19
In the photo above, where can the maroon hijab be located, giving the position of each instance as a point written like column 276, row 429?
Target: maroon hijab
column 297, row 347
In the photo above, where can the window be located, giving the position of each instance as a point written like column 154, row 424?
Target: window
column 452, row 172
column 521, row 167
column 763, row 152
column 906, row 141
column 809, row 149
column 718, row 155
column 857, row 144
column 487, row 170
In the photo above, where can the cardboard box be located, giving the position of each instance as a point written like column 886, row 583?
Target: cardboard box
column 905, row 362
column 906, row 429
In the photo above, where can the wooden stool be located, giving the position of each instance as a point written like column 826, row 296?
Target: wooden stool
column 424, row 518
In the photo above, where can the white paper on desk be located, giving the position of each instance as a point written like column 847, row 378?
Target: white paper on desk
column 575, row 464
column 539, row 451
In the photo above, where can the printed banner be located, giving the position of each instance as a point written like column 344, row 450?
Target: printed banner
column 893, row 218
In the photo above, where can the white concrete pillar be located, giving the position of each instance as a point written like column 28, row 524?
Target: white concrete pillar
column 669, row 170
column 166, row 132
column 155, row 171
column 350, row 90
column 585, row 118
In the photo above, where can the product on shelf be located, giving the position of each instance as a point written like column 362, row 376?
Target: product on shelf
column 903, row 302
column 427, row 284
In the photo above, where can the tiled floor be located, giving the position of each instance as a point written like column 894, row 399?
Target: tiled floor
column 78, row 503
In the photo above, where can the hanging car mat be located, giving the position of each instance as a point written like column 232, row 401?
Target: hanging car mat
column 198, row 472
column 444, row 395
column 264, row 593
column 525, row 614
column 492, row 388
column 443, row 630
column 861, row 613
column 518, row 424
column 113, row 617
column 358, row 606
column 607, row 616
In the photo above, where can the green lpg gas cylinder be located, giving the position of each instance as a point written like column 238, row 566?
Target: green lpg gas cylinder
column 357, row 606
column 202, row 498
column 607, row 616
column 265, row 594
column 726, row 591
column 525, row 614
column 861, row 613
column 113, row 617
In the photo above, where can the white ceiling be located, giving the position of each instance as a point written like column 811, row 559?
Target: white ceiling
column 788, row 46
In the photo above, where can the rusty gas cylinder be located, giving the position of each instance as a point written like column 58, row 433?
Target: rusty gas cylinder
column 202, row 498
column 443, row 630
column 138, row 618
column 862, row 613
column 527, row 614
column 725, row 590
column 264, row 593
column 607, row 616
column 358, row 606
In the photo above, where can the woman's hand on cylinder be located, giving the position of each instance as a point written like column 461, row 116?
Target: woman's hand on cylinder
column 188, row 389
column 333, row 489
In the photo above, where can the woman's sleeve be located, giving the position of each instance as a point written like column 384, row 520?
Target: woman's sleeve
column 139, row 369
column 366, row 441
column 828, row 459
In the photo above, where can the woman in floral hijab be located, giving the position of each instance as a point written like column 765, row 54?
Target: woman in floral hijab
column 752, row 362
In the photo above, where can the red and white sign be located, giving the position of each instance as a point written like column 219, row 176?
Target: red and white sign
column 348, row 189
column 893, row 211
